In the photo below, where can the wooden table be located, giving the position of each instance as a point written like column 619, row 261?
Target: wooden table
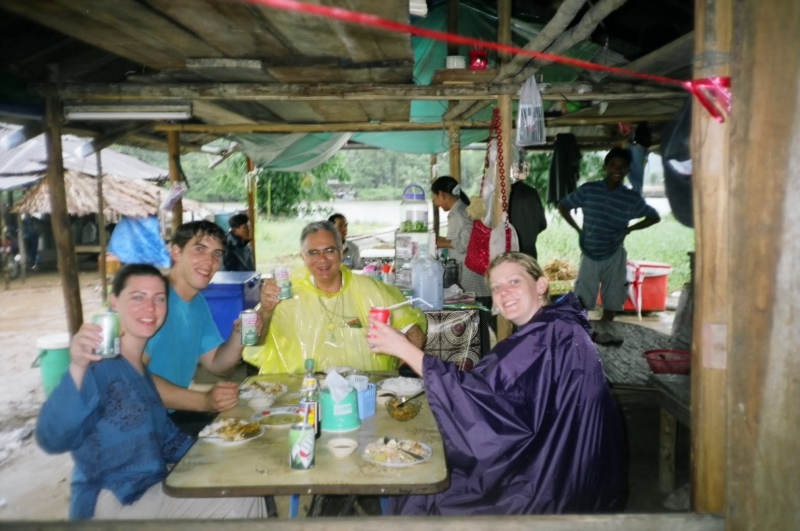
column 261, row 467
column 673, row 393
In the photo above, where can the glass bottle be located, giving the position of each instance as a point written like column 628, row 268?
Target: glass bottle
column 309, row 397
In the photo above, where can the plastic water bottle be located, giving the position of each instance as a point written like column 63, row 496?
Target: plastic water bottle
column 427, row 281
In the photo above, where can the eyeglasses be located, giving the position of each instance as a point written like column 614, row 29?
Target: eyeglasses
column 329, row 252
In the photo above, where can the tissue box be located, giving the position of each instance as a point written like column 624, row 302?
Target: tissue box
column 366, row 401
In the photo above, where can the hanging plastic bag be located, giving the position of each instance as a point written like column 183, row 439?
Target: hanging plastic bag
column 176, row 192
column 530, row 116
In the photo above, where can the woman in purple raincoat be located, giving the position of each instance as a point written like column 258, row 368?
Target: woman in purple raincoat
column 532, row 429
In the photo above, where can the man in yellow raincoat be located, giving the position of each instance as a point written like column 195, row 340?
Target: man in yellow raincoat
column 328, row 318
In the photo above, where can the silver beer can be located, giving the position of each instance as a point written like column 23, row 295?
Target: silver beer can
column 109, row 322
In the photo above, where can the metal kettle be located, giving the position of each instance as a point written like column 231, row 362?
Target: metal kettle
column 452, row 272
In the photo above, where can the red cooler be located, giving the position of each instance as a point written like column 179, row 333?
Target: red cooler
column 648, row 280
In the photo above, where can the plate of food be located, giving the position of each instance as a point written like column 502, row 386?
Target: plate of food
column 278, row 417
column 231, row 431
column 402, row 386
column 256, row 389
column 291, row 399
column 397, row 453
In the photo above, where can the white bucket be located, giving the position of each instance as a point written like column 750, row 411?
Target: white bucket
column 456, row 61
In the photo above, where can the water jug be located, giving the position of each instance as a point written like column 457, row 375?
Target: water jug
column 413, row 210
column 452, row 272
column 427, row 276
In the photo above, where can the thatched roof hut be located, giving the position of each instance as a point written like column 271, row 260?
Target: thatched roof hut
column 121, row 197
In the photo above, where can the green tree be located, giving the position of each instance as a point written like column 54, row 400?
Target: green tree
column 283, row 193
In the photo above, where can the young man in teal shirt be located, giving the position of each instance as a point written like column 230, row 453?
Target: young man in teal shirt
column 189, row 335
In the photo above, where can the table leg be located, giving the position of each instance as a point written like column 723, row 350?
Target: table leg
column 349, row 504
column 666, row 461
column 272, row 510
column 317, row 505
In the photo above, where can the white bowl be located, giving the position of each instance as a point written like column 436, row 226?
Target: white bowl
column 261, row 403
column 342, row 447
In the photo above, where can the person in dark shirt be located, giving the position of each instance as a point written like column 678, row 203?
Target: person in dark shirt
column 608, row 208
column 351, row 254
column 238, row 254
column 526, row 214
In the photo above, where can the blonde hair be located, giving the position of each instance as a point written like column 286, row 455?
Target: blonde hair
column 528, row 262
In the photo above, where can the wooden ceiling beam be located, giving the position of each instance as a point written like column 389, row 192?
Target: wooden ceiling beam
column 390, row 126
column 347, row 91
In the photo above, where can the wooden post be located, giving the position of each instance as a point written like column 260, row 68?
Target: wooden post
column 764, row 251
column 250, row 181
column 174, row 146
column 59, row 216
column 505, row 105
column 23, row 255
column 101, row 229
column 435, row 208
column 6, row 278
column 710, row 154
column 452, row 24
column 455, row 153
column 454, row 133
column 666, row 452
column 503, row 29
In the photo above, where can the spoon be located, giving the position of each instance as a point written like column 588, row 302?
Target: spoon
column 407, row 398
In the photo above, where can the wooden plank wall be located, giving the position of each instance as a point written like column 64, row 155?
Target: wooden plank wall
column 764, row 365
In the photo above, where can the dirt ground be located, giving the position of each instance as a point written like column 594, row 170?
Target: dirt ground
column 33, row 485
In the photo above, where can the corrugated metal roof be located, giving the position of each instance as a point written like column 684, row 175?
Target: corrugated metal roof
column 14, row 183
column 30, row 158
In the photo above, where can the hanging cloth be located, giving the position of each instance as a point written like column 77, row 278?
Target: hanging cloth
column 564, row 169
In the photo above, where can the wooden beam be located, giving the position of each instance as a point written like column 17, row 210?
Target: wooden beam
column 101, row 230
column 609, row 522
column 764, row 249
column 392, row 126
column 671, row 57
column 317, row 128
column 59, row 217
column 163, row 92
column 174, row 141
column 710, row 155
column 250, row 184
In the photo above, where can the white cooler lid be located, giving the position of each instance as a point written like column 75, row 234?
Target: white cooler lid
column 53, row 341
